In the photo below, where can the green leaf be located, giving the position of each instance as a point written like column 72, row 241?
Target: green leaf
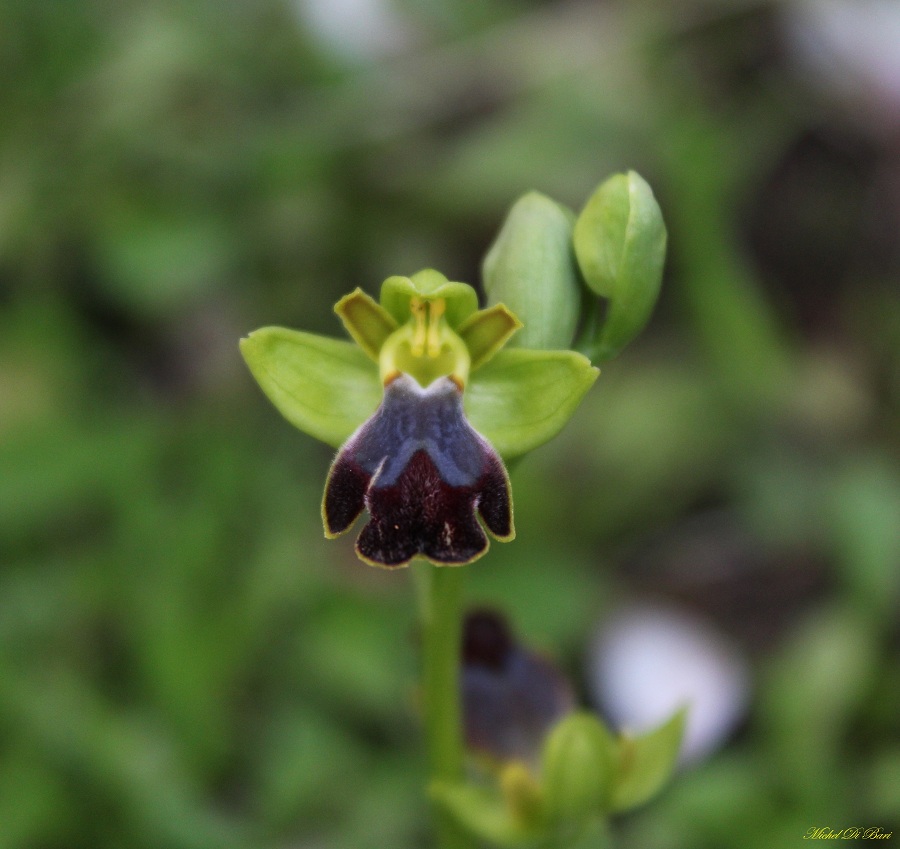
column 577, row 764
column 620, row 243
column 521, row 399
column 487, row 331
column 460, row 298
column 646, row 762
column 481, row 812
column 366, row 321
column 325, row 387
column 531, row 268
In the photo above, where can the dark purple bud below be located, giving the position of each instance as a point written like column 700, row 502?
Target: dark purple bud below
column 511, row 695
column 423, row 472
column 487, row 641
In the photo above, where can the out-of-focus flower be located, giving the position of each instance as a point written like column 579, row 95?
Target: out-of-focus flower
column 555, row 773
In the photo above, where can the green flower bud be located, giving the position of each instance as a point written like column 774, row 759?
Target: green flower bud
column 531, row 269
column 620, row 244
column 578, row 765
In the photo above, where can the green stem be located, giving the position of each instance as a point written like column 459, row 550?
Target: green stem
column 440, row 614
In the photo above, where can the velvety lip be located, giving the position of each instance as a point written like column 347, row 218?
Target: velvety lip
column 423, row 472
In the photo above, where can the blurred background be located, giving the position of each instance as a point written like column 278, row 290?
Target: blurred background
column 185, row 662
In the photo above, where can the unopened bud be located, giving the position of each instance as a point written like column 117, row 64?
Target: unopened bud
column 578, row 766
column 531, row 269
column 620, row 243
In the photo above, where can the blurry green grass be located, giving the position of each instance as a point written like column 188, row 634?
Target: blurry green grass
column 184, row 660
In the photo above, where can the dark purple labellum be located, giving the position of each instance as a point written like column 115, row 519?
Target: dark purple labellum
column 422, row 471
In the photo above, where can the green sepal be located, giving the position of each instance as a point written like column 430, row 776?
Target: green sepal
column 460, row 298
column 578, row 764
column 645, row 763
column 620, row 244
column 482, row 812
column 531, row 268
column 366, row 321
column 521, row 399
column 487, row 331
column 325, row 387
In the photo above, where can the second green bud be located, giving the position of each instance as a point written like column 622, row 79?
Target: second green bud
column 578, row 766
column 620, row 243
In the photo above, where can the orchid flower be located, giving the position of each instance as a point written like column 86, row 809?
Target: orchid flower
column 429, row 398
column 423, row 407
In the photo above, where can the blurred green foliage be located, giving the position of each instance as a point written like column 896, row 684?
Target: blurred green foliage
column 184, row 661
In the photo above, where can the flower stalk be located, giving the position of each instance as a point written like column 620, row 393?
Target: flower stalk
column 440, row 597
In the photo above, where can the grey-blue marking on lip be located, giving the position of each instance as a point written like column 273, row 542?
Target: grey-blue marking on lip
column 411, row 419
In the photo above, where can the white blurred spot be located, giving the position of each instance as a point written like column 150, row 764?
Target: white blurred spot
column 355, row 29
column 852, row 46
column 648, row 661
